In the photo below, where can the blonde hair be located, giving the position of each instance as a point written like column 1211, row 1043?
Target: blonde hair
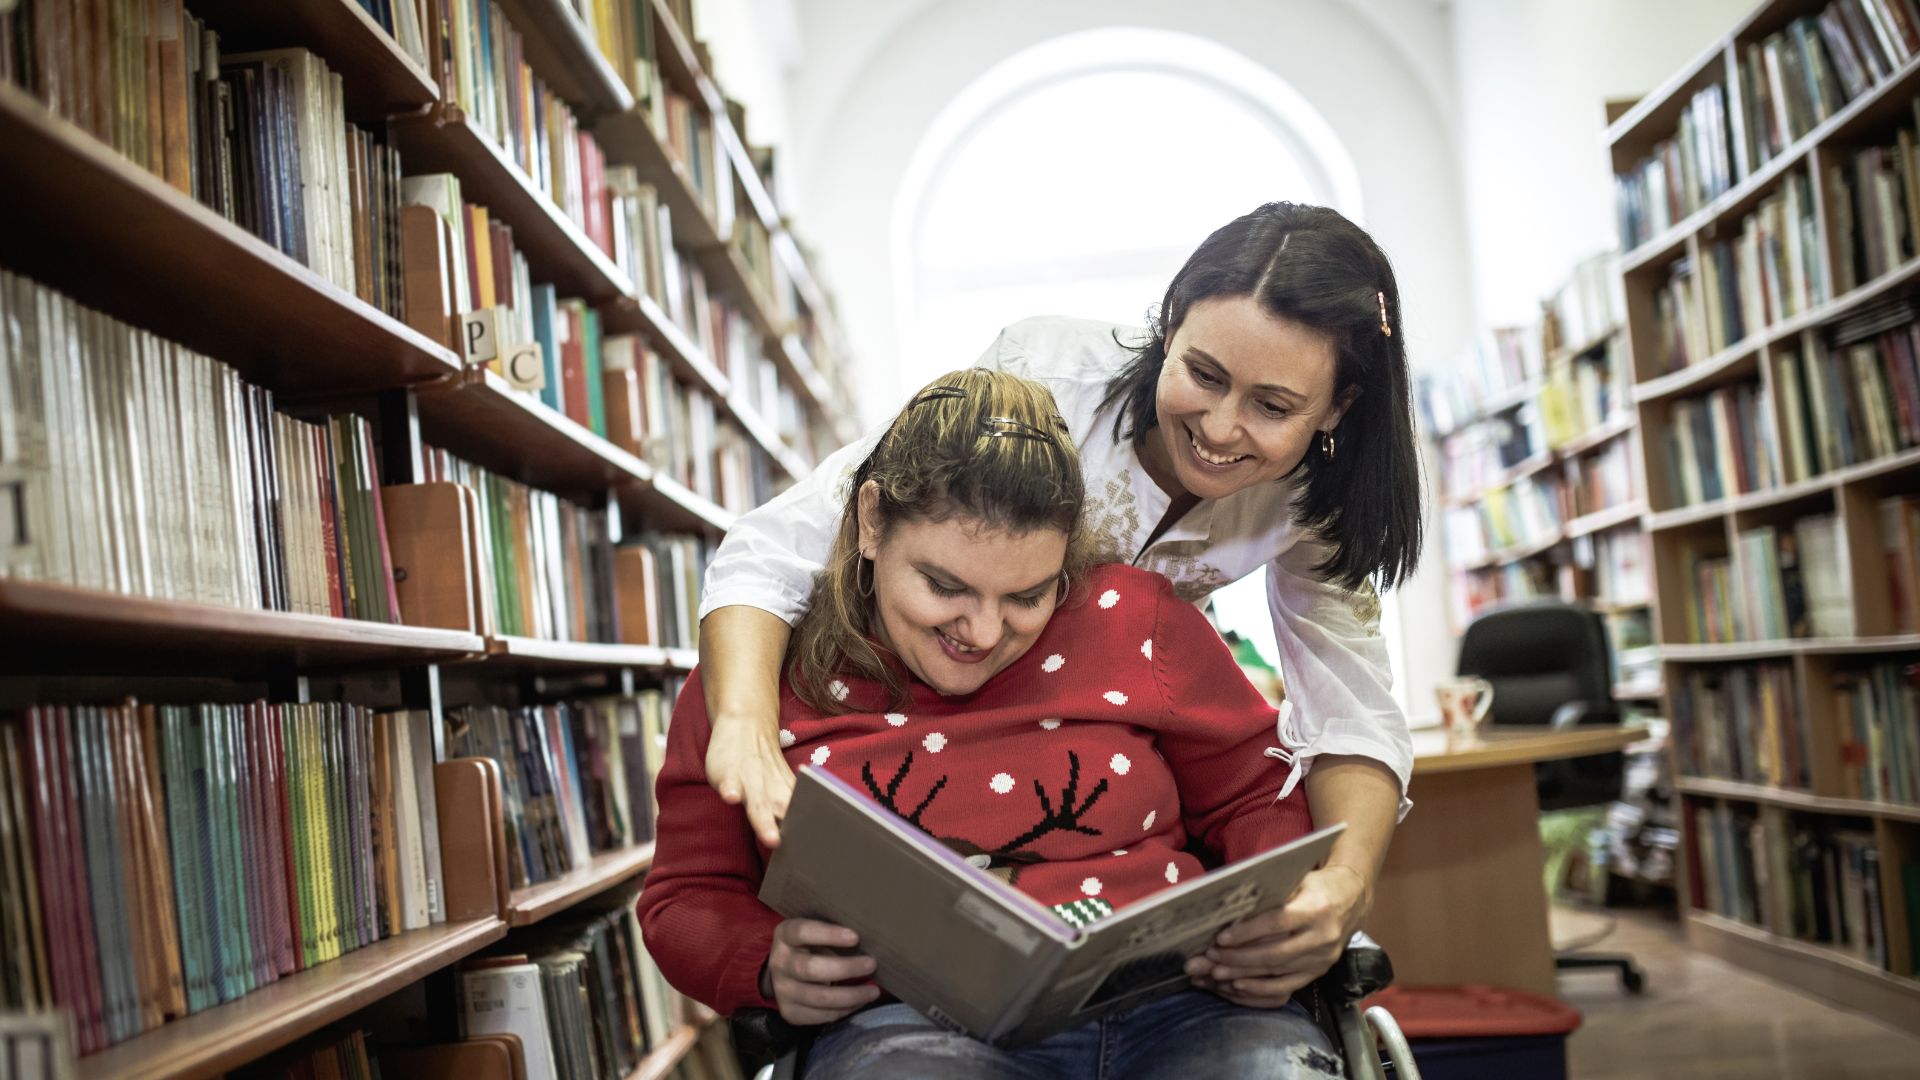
column 981, row 445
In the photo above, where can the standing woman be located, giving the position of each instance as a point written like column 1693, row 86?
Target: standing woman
column 1263, row 418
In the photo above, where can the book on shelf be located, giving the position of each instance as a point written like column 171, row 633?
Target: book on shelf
column 1586, row 308
column 1849, row 402
column 1681, row 174
column 1899, row 520
column 575, row 776
column 37, row 1046
column 405, row 21
column 164, row 859
column 1792, row 80
column 1876, row 713
column 141, row 467
column 579, row 993
column 343, row 1054
column 1620, row 562
column 1586, row 392
column 480, row 65
column 1742, row 722
column 679, row 565
column 1802, row 879
column 1783, row 582
column 1604, row 480
column 1012, row 971
column 1719, row 445
column 260, row 138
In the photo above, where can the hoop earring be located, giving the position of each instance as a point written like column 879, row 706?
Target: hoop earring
column 1066, row 586
column 863, row 577
column 1326, row 446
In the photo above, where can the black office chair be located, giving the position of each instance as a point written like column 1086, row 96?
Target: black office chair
column 1549, row 665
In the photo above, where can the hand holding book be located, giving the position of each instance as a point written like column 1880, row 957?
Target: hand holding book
column 808, row 972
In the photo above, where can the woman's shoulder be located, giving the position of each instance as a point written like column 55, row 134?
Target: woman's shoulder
column 1064, row 348
column 1128, row 592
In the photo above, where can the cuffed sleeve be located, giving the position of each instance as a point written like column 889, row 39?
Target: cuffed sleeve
column 1334, row 663
column 700, row 911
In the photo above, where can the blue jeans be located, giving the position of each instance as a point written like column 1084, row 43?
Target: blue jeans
column 1185, row 1035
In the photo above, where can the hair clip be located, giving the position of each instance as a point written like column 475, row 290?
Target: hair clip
column 938, row 393
column 1006, row 427
column 1384, row 328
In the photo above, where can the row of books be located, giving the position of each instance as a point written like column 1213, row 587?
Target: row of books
column 136, row 465
column 163, row 859
column 405, row 21
column 1587, row 307
column 1681, row 175
column 1586, row 392
column 546, row 561
column 1795, row 78
column 669, row 568
column 1741, row 722
column 1874, row 211
column 1800, row 878
column 580, row 995
column 260, row 137
column 1877, row 716
column 1899, row 521
column 1719, row 445
column 1847, row 404
column 1620, row 563
column 622, row 32
column 1604, row 479
column 1525, row 514
column 1770, row 272
column 1474, row 458
column 576, row 777
column 1784, row 583
column 1530, row 579
column 481, row 68
column 1631, row 648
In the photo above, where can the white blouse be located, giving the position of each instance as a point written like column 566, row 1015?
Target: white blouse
column 1332, row 658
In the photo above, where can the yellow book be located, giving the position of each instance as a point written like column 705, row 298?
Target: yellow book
column 480, row 248
column 319, row 826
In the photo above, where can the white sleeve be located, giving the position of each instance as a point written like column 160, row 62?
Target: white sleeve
column 1334, row 663
column 769, row 558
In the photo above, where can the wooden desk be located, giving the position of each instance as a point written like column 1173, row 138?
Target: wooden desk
column 1461, row 898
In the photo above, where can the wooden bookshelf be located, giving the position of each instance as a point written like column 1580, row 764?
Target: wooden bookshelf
column 47, row 628
column 227, row 1036
column 79, row 218
column 1680, row 533
column 607, row 869
column 663, row 1059
column 82, row 219
column 377, row 77
column 535, row 654
column 557, row 249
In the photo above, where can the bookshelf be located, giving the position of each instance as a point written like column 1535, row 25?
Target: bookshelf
column 1538, row 441
column 93, row 226
column 1770, row 229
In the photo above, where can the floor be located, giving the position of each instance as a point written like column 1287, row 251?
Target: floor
column 1701, row 1017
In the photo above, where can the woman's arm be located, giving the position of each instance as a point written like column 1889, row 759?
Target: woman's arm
column 700, row 911
column 741, row 648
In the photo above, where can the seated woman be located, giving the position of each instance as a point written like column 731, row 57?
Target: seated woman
column 1077, row 730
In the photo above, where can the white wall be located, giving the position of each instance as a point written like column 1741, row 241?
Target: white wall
column 1533, row 79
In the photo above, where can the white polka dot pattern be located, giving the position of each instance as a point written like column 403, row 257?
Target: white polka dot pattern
column 896, row 719
column 1109, row 598
column 1001, row 783
column 1147, row 825
column 1173, row 874
column 1120, row 764
column 1053, row 663
column 838, row 689
column 1115, row 696
column 934, row 743
column 821, row 754
column 1091, row 886
column 786, row 738
column 1146, row 648
column 1049, row 725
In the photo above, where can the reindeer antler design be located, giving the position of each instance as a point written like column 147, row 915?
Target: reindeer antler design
column 886, row 798
column 1067, row 817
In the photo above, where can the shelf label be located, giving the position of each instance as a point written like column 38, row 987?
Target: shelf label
column 480, row 336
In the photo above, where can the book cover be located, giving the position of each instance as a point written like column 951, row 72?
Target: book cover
column 979, row 956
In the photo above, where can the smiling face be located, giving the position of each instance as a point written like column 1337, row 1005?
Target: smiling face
column 958, row 600
column 1241, row 399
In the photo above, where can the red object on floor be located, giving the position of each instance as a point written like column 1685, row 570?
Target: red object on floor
column 1466, row 1012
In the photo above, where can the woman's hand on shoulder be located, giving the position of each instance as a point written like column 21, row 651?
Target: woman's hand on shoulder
column 745, row 766
column 1263, row 959
column 804, row 973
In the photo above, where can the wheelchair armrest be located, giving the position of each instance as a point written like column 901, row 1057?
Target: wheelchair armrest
column 764, row 1033
column 1363, row 969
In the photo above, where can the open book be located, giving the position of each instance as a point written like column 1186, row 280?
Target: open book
column 978, row 955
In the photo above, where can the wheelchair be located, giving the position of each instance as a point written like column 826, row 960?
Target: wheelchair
column 1368, row 1040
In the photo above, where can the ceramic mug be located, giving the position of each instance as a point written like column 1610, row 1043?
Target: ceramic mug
column 1463, row 705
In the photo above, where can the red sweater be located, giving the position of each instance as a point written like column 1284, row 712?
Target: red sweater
column 1087, row 766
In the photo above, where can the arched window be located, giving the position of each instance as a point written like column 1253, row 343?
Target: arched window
column 1074, row 179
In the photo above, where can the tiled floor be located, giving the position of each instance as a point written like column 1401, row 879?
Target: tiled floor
column 1701, row 1017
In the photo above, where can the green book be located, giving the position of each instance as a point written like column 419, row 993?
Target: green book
column 596, row 395
column 293, row 779
column 183, row 850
